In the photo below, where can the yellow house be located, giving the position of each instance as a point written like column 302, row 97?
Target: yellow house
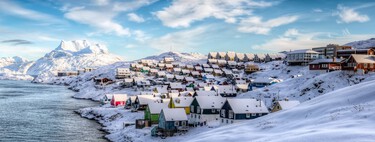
column 284, row 105
column 181, row 102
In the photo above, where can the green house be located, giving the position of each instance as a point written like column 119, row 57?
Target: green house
column 153, row 110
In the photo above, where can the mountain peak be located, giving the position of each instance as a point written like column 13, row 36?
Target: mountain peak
column 370, row 43
column 77, row 47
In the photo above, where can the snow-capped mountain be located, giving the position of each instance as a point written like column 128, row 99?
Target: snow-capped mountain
column 362, row 43
column 73, row 55
column 16, row 65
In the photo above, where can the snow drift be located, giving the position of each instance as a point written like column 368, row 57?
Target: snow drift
column 342, row 115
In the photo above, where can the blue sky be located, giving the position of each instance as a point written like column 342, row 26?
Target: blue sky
column 137, row 28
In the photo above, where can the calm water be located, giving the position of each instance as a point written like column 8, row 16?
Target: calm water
column 34, row 112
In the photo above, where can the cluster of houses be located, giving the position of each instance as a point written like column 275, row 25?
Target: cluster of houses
column 175, row 97
column 334, row 57
column 178, row 112
column 74, row 73
column 233, row 57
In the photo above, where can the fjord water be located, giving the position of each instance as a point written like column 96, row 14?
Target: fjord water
column 36, row 112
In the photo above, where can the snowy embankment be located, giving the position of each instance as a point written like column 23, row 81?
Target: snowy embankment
column 342, row 115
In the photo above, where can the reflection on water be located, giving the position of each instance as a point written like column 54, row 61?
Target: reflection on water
column 34, row 112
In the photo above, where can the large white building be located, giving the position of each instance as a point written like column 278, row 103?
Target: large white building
column 301, row 57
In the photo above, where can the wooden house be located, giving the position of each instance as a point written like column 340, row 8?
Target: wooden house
column 208, row 70
column 185, row 72
column 169, row 67
column 188, row 80
column 221, row 63
column 284, row 105
column 130, row 101
column 198, row 68
column 119, row 99
column 212, row 55
column 258, row 58
column 325, row 65
column 176, row 70
column 153, row 110
column 205, row 109
column 218, row 72
column 190, row 67
column 169, row 77
column 206, row 66
column 214, row 66
column 153, row 72
column 212, row 61
column 359, row 63
column 176, row 86
column 181, row 102
column 231, row 64
column 226, row 91
column 161, row 66
column 122, row 73
column 208, row 77
column 142, row 101
column 239, row 57
column 242, row 88
column 178, row 78
column 171, row 121
column 230, row 56
column 248, row 57
column 195, row 74
column 251, row 68
column 221, row 55
column 262, row 82
column 161, row 74
column 168, row 60
column 236, row 110
column 106, row 98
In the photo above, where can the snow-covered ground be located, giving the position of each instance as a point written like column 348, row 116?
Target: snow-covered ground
column 344, row 115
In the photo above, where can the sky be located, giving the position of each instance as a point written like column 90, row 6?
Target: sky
column 138, row 28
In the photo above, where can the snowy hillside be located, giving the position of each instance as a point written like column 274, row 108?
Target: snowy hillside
column 363, row 43
column 181, row 57
column 342, row 115
column 299, row 84
column 73, row 55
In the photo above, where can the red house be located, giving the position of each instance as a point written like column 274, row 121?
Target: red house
column 325, row 65
column 119, row 100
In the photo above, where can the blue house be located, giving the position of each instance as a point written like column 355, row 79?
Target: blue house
column 236, row 110
column 172, row 121
column 262, row 82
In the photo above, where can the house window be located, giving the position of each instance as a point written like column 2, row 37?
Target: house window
column 213, row 110
column 198, row 109
column 230, row 114
column 223, row 112
column 176, row 123
column 192, row 108
column 253, row 114
column 365, row 65
column 247, row 115
column 183, row 123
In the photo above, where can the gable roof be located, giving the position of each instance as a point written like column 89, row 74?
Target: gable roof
column 120, row 97
column 210, row 102
column 226, row 89
column 155, row 108
column 247, row 106
column 146, row 99
column 182, row 101
column 176, row 114
column 205, row 93
column 363, row 58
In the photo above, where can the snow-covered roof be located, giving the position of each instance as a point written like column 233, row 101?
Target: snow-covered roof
column 155, row 108
column 154, row 70
column 109, row 96
column 249, row 55
column 177, row 69
column 303, row 51
column 189, row 79
column 206, row 93
column 247, row 106
column 120, row 97
column 263, row 80
column 317, row 61
column 222, row 54
column 161, row 89
column 242, row 86
column 231, row 54
column 176, row 114
column 169, row 76
column 221, row 61
column 145, row 99
column 226, row 89
column 232, row 63
column 189, row 66
column 169, row 65
column 212, row 60
column 288, row 104
column 161, row 73
column 208, row 70
column 213, row 54
column 195, row 73
column 215, row 66
column 182, row 101
column 240, row 55
column 363, row 58
column 185, row 71
column 198, row 68
column 176, row 86
column 260, row 56
column 217, row 71
column 210, row 102
column 209, row 76
column 205, row 65
column 179, row 77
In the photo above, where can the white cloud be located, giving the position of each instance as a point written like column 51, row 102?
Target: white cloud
column 307, row 40
column 26, row 51
column 256, row 25
column 182, row 13
column 13, row 9
column 98, row 19
column 135, row 18
column 140, row 36
column 317, row 10
column 179, row 41
column 349, row 15
column 126, row 6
